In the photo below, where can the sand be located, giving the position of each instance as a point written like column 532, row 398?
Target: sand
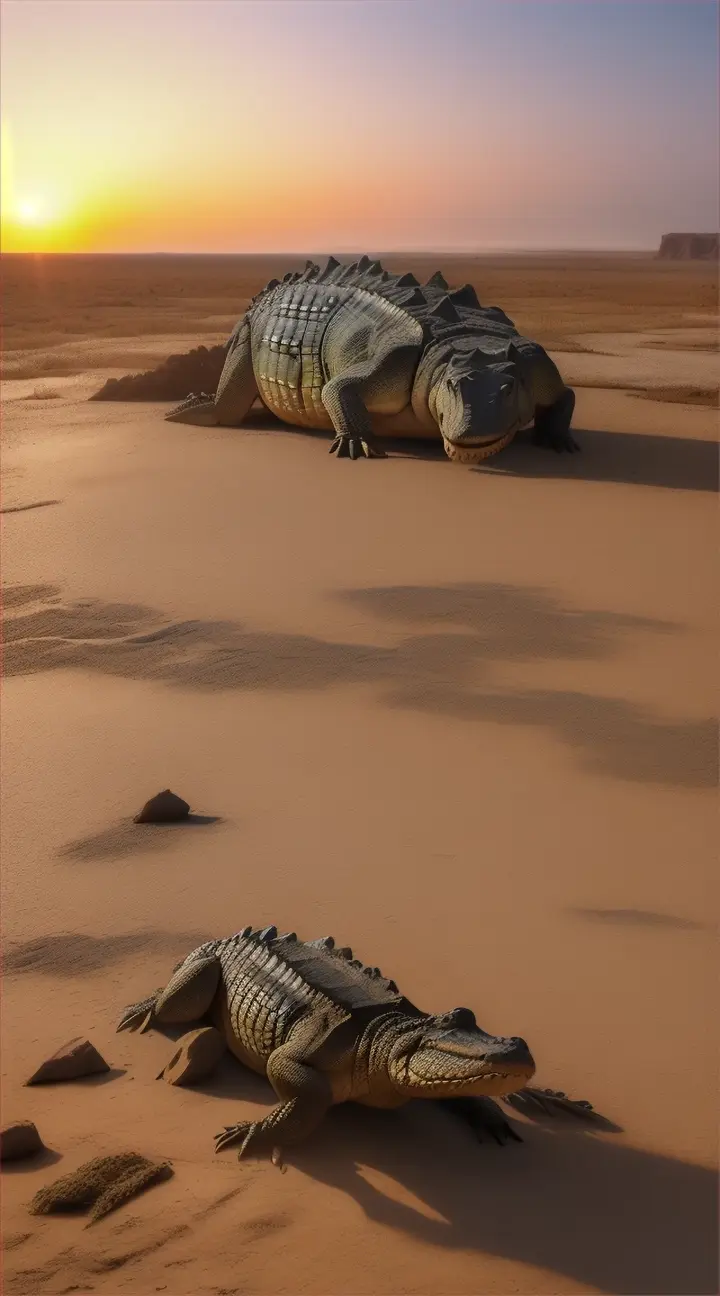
column 460, row 719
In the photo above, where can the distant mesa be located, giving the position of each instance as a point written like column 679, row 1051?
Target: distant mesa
column 689, row 247
column 197, row 370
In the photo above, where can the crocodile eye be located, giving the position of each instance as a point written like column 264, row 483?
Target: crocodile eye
column 459, row 1019
column 463, row 1019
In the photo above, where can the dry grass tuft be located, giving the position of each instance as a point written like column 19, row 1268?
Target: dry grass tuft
column 103, row 1183
column 45, row 393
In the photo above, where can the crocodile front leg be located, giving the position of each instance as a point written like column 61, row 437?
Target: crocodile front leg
column 187, row 996
column 347, row 397
column 552, row 424
column 484, row 1117
column 306, row 1096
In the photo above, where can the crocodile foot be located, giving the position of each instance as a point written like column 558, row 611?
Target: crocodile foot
column 139, row 1015
column 484, row 1117
column 549, row 1102
column 252, row 1136
column 552, row 425
column 355, row 447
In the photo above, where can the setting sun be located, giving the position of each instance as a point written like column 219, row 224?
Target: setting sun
column 30, row 211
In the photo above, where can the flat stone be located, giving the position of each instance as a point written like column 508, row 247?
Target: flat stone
column 19, row 1140
column 76, row 1059
column 166, row 807
column 197, row 1056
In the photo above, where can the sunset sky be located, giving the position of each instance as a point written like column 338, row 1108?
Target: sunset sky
column 319, row 125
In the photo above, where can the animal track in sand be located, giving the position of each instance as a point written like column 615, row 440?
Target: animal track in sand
column 638, row 918
column 14, row 596
column 76, row 953
column 447, row 666
column 23, row 508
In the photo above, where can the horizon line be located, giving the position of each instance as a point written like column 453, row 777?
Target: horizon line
column 388, row 251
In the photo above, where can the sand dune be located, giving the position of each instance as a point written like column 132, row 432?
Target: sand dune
column 461, row 719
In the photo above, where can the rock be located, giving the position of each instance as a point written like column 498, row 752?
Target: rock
column 689, row 247
column 76, row 1059
column 20, row 1140
column 163, row 808
column 197, row 1056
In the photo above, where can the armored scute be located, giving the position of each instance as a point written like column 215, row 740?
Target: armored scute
column 363, row 353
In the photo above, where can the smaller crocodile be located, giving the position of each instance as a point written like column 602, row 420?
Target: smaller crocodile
column 363, row 353
column 326, row 1029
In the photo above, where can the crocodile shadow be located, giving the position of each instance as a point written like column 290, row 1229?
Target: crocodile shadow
column 629, row 458
column 566, row 1200
column 625, row 458
column 615, row 1218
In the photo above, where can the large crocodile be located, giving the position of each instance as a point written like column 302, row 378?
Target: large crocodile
column 326, row 1029
column 359, row 351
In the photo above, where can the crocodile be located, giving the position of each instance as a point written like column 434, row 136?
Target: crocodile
column 325, row 1029
column 364, row 353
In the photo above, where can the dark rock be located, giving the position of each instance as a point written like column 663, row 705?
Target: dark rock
column 166, row 807
column 197, row 370
column 197, row 1056
column 689, row 247
column 74, row 1060
column 20, row 1140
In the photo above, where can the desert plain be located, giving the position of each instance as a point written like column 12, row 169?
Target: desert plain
column 460, row 719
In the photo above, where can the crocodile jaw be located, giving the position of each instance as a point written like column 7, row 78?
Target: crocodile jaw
column 461, row 1064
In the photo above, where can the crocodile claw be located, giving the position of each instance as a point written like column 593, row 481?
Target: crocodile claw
column 138, row 1017
column 490, row 1120
column 250, row 1134
column 244, row 1132
column 484, row 1117
column 355, row 447
column 549, row 1102
column 555, row 441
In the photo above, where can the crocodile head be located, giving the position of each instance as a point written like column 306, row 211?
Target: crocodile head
column 480, row 405
column 450, row 1056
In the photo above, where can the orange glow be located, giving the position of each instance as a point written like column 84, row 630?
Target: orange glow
column 303, row 126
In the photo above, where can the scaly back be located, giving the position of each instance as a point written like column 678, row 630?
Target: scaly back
column 443, row 313
column 309, row 971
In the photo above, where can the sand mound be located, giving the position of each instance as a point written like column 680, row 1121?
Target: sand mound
column 198, row 370
column 689, row 247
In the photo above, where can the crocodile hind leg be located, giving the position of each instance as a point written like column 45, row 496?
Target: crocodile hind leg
column 186, row 997
column 236, row 390
column 306, row 1096
column 348, row 396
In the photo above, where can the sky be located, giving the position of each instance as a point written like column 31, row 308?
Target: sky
column 343, row 125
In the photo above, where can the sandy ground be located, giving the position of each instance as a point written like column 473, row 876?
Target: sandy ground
column 460, row 719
